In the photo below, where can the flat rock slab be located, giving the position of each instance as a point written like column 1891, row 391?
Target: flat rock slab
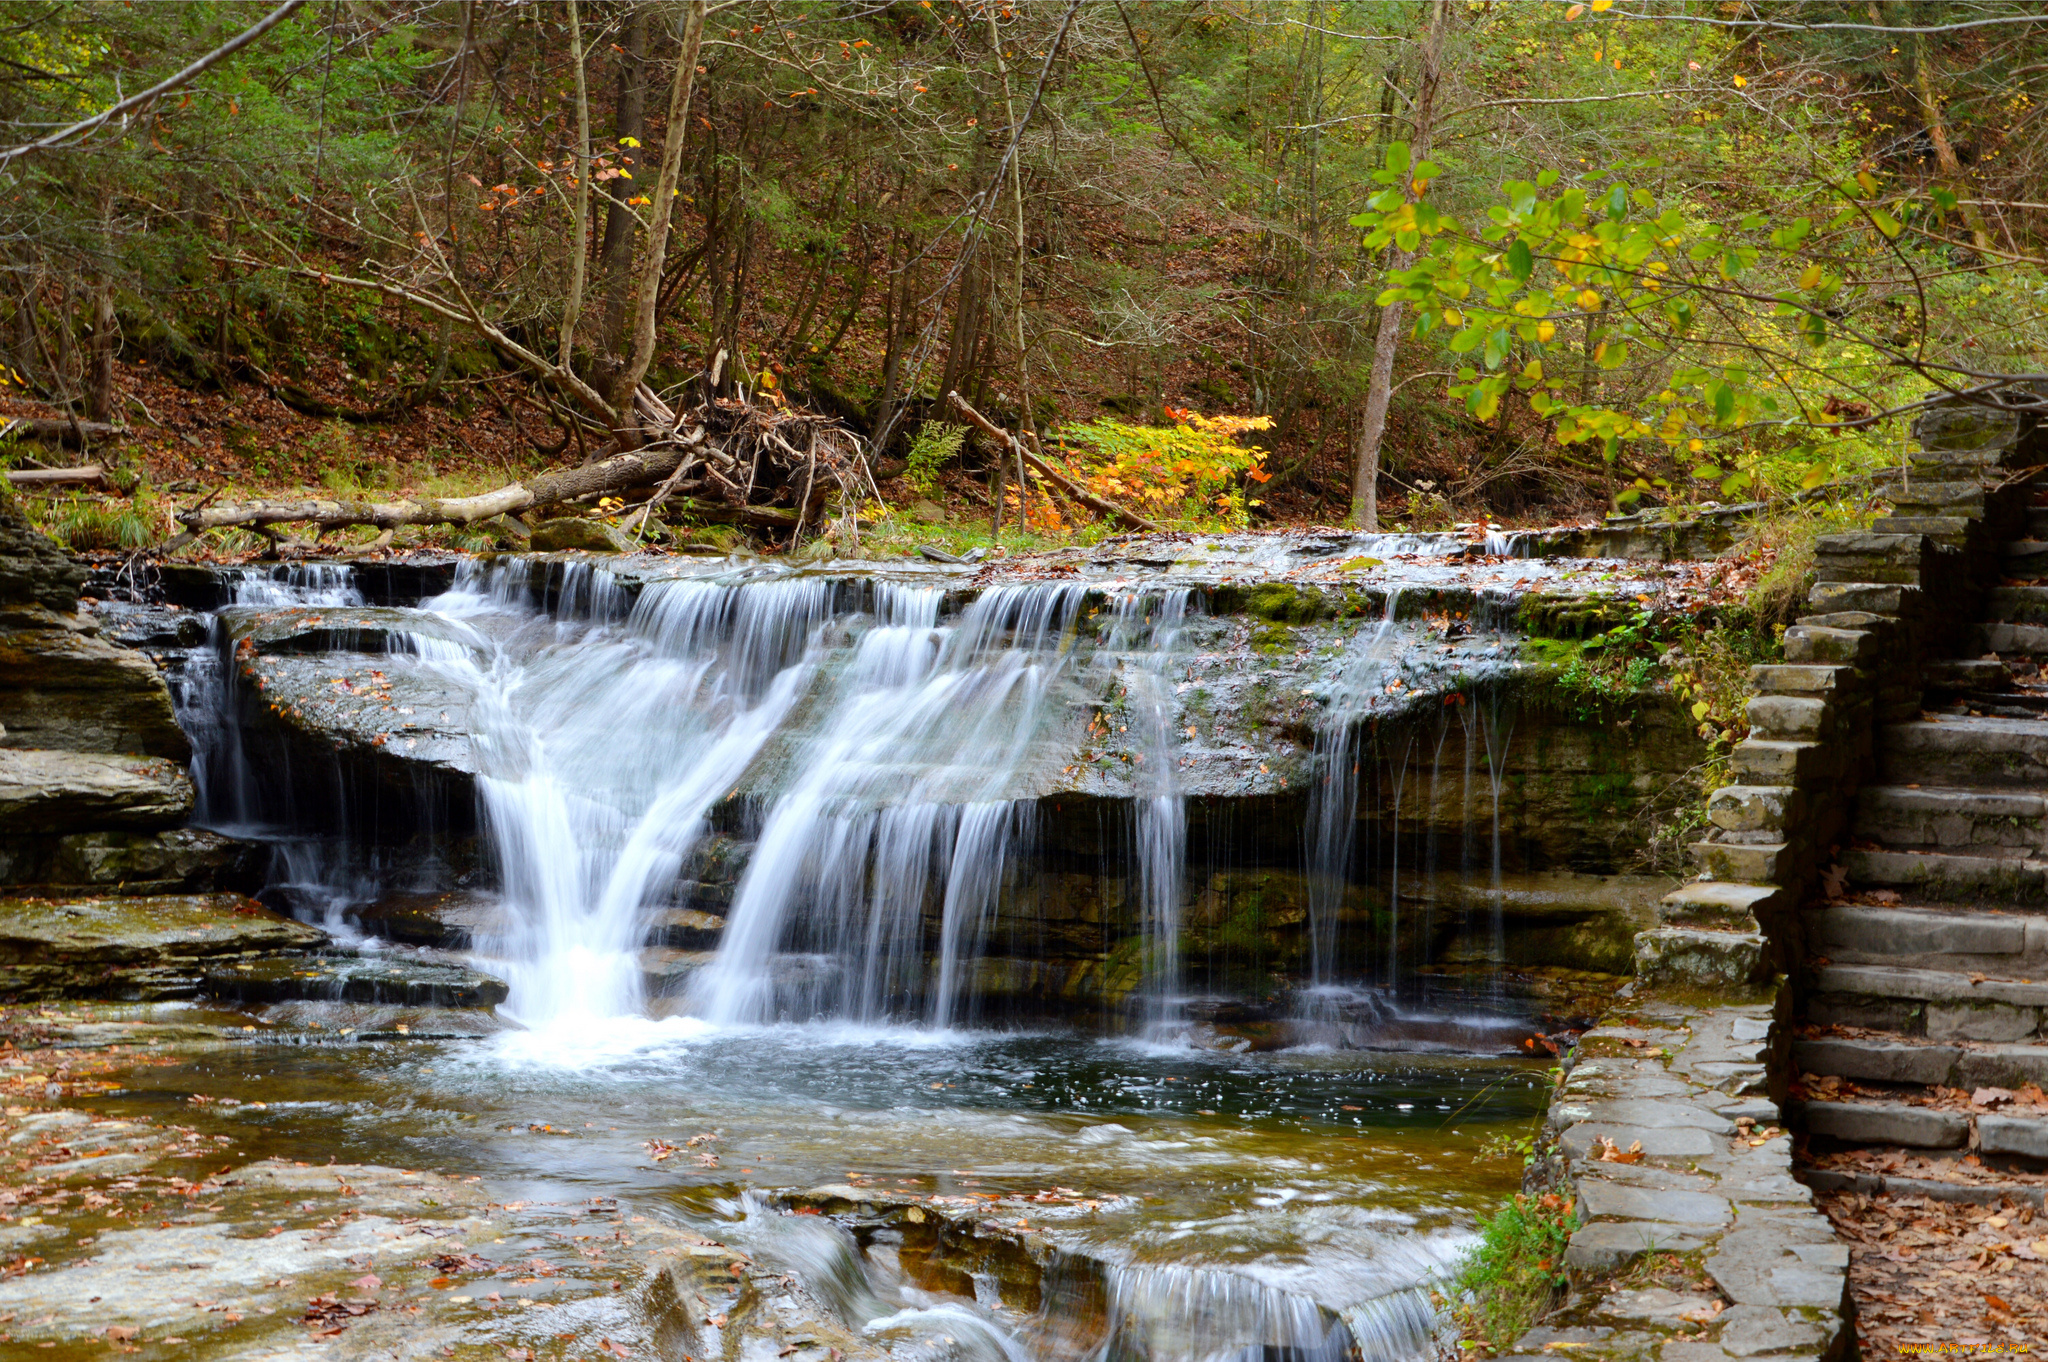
column 134, row 948
column 354, row 979
column 61, row 687
column 73, row 792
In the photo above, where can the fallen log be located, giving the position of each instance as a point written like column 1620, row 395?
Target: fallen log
column 615, row 474
column 59, row 430
column 1044, row 470
column 85, row 475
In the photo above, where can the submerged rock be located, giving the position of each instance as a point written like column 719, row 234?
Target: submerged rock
column 355, row 979
column 134, row 948
column 62, row 791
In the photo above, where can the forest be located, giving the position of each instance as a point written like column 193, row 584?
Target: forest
column 357, row 275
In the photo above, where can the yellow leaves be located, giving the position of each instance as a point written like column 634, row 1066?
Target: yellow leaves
column 629, row 141
column 1453, row 317
column 1695, row 446
column 1588, row 300
column 1574, row 12
column 1809, row 276
column 1740, row 81
column 1546, row 330
column 1602, row 6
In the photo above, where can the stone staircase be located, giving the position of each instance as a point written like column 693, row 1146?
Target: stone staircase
column 1927, row 963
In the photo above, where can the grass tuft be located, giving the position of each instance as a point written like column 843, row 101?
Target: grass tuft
column 1515, row 1274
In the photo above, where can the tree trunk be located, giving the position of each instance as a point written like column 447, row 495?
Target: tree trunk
column 1365, row 508
column 663, row 214
column 99, row 389
column 615, row 257
column 579, row 245
column 1937, row 133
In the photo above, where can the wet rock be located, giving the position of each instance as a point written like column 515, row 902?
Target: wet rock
column 687, row 929
column 575, row 533
column 181, row 861
column 133, row 948
column 451, row 921
column 340, row 629
column 360, row 740
column 61, row 687
column 356, row 979
column 35, row 569
column 379, row 1021
column 151, row 628
column 65, row 791
column 1556, row 917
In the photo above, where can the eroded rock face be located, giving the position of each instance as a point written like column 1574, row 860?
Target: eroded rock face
column 180, row 861
column 61, row 687
column 137, row 948
column 63, row 791
column 34, row 570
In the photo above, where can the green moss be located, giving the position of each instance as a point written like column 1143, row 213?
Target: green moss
column 1272, row 638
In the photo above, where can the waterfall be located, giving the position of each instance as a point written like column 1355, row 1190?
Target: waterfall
column 1333, row 800
column 603, row 746
column 912, row 783
column 1150, row 625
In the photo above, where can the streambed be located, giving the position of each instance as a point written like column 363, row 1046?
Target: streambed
column 1225, row 1202
column 1125, row 959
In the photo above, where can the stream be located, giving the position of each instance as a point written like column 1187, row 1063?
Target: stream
column 1281, row 1172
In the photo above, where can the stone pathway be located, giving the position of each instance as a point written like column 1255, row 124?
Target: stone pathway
column 1696, row 1243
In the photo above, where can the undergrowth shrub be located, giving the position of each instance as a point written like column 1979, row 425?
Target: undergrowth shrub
column 936, row 444
column 1515, row 1274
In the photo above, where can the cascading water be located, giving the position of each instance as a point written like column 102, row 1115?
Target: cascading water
column 1333, row 801
column 1150, row 624
column 885, row 762
column 602, row 746
column 912, row 786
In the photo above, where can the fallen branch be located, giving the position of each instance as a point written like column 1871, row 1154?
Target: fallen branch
column 56, row 430
column 86, row 475
column 609, row 475
column 1044, row 470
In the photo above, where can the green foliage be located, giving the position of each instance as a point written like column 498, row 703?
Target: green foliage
column 936, row 444
column 1745, row 330
column 1515, row 1274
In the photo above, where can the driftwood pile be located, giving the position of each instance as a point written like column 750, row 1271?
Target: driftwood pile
column 724, row 459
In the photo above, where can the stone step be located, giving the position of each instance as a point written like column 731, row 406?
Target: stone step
column 2018, row 604
column 2010, row 944
column 2012, row 640
column 1954, row 1193
column 2008, row 822
column 2026, row 558
column 2015, row 1133
column 1932, row 874
column 2037, row 522
column 1969, row 675
column 1939, row 1005
column 1893, row 1123
column 1985, row 752
column 1904, row 1060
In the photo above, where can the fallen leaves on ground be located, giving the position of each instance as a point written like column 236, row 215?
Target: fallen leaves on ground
column 1935, row 1273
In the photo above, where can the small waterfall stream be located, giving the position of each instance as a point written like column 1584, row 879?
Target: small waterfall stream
column 889, row 765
